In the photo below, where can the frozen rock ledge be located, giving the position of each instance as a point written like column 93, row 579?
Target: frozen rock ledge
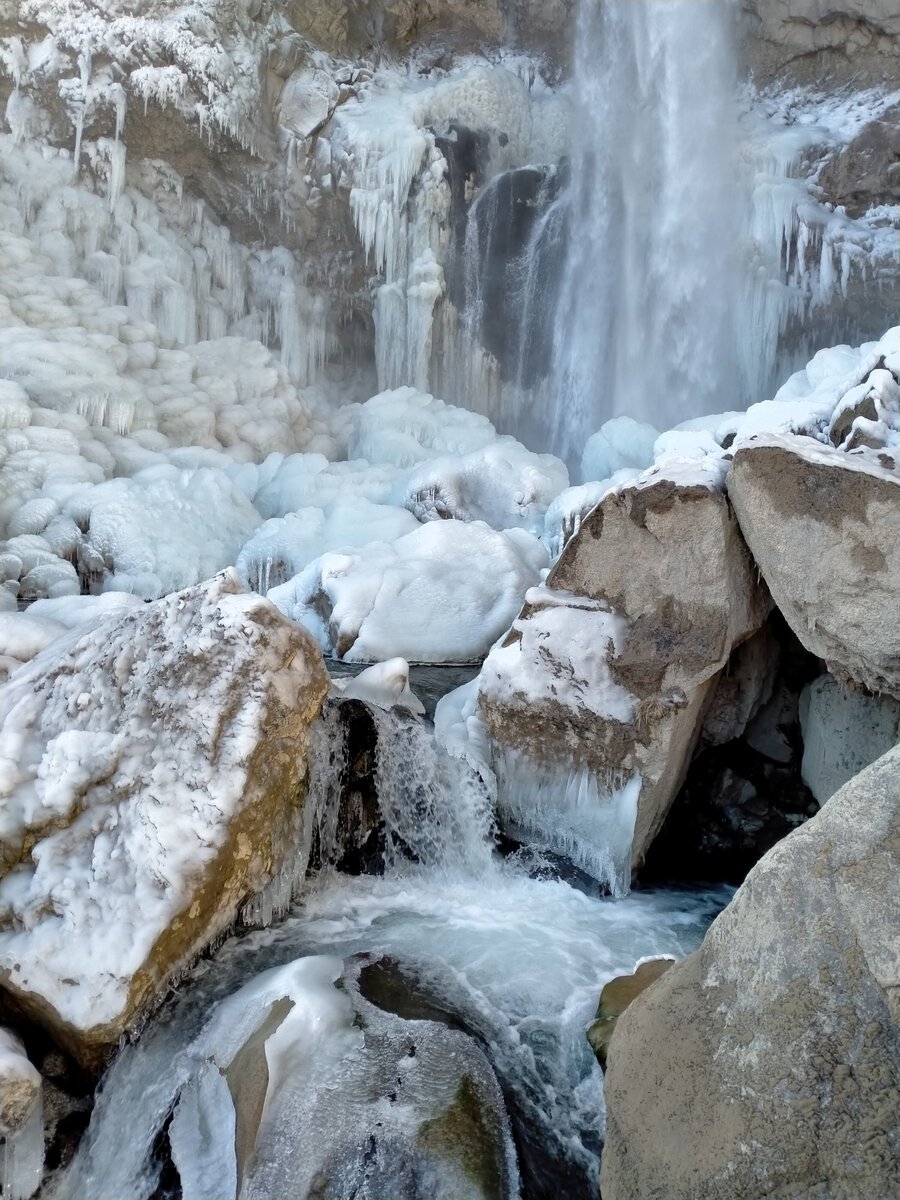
column 153, row 775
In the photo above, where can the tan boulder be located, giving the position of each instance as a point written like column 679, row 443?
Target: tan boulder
column 609, row 667
column 768, row 1061
column 615, row 998
column 153, row 781
column 824, row 528
column 20, row 1085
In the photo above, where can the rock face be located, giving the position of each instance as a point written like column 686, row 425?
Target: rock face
column 824, row 528
column 767, row 1062
column 153, row 783
column 810, row 40
column 608, row 668
column 844, row 730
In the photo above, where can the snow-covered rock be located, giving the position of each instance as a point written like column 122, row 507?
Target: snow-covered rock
column 153, row 775
column 824, row 528
column 442, row 593
column 604, row 676
column 21, row 1084
column 767, row 1062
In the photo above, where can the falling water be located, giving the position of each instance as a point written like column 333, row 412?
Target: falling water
column 645, row 324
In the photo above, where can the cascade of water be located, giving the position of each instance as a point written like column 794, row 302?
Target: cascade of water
column 645, row 320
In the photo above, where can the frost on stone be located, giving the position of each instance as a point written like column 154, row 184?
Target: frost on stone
column 142, row 801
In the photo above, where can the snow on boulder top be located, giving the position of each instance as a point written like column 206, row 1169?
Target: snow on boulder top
column 151, row 775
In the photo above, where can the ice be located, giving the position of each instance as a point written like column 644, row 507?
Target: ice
column 588, row 820
column 283, row 546
column 406, row 427
column 442, row 593
column 618, row 444
column 202, row 1136
column 23, row 635
column 503, row 484
column 386, row 685
column 22, row 1158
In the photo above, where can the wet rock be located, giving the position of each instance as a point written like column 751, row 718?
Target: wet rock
column 328, row 1094
column 767, row 1062
column 743, row 795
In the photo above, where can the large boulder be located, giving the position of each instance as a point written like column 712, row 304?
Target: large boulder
column 768, row 1062
column 608, row 668
column 824, row 528
column 153, row 778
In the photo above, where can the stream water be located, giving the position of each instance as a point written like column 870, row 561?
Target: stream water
column 504, row 946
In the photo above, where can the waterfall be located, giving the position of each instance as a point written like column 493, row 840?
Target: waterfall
column 645, row 323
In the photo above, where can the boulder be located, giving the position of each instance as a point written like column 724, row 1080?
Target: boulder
column 824, row 528
column 609, row 667
column 844, row 730
column 768, row 1061
column 153, row 780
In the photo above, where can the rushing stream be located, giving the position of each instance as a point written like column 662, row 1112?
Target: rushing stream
column 500, row 947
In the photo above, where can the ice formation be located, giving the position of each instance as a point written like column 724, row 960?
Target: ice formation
column 442, row 593
column 386, row 685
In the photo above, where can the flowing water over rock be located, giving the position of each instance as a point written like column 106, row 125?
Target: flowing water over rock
column 504, row 949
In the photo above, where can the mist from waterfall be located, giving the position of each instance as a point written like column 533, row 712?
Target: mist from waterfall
column 646, row 315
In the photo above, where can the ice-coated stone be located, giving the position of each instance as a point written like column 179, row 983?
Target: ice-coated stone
column 153, row 774
column 767, row 1062
column 824, row 528
column 608, row 668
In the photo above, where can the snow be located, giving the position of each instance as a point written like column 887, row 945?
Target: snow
column 619, row 443
column 442, row 593
column 386, row 685
column 124, row 759
column 585, row 634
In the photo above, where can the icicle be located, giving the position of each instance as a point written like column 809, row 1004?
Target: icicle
column 22, row 1158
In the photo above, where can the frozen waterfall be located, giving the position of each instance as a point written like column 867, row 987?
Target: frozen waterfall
column 645, row 324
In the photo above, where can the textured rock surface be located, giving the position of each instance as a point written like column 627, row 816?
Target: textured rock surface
column 824, row 528
column 768, row 1062
column 666, row 562
column 810, row 41
column 154, row 782
column 844, row 730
